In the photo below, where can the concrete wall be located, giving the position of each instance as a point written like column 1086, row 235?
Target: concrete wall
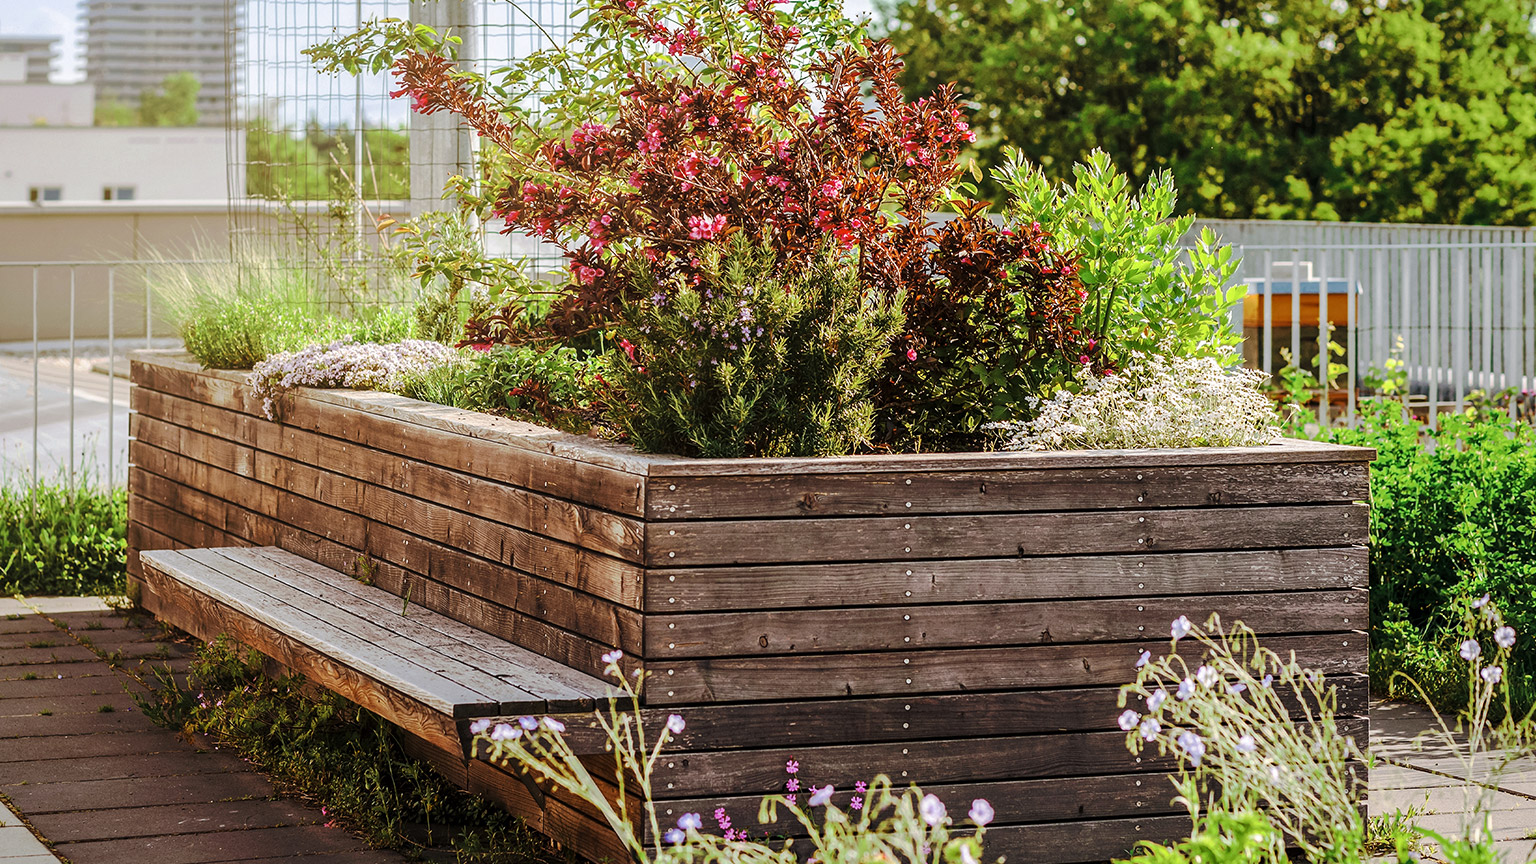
column 160, row 164
column 47, row 104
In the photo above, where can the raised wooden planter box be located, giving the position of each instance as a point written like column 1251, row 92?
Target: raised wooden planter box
column 961, row 621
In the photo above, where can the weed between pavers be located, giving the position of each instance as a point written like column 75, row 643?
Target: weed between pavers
column 335, row 755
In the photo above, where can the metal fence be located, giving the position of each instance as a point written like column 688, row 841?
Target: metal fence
column 1456, row 306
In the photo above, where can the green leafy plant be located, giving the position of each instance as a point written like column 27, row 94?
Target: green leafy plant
column 1223, row 838
column 1146, row 292
column 330, row 751
column 1233, row 723
column 555, row 385
column 62, row 538
column 893, row 826
column 744, row 363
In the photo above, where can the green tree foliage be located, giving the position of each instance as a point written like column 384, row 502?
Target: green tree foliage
column 1367, row 110
column 173, row 103
column 282, row 164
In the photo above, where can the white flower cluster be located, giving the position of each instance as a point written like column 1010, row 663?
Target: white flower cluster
column 344, row 363
column 1155, row 401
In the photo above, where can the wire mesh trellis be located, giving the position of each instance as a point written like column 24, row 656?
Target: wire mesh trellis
column 321, row 158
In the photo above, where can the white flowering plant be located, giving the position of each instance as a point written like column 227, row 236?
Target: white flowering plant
column 1155, row 400
column 1252, row 731
column 886, row 825
column 345, row 363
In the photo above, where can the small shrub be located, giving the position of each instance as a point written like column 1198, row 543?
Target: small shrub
column 1156, row 400
column 344, row 363
column 552, row 385
column 744, row 362
column 72, row 540
column 332, row 752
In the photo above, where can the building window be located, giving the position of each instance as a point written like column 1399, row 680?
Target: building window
column 45, row 193
column 117, row 193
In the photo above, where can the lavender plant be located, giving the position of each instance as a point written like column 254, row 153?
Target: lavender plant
column 891, row 826
column 344, row 363
column 1252, row 731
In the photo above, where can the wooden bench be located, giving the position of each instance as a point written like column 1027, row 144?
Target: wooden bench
column 423, row 671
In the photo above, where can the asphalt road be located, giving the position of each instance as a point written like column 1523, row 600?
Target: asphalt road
column 98, row 404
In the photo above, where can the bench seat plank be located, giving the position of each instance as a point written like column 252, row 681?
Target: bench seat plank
column 352, row 625
column 565, row 688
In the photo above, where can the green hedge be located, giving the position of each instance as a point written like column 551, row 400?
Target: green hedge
column 63, row 539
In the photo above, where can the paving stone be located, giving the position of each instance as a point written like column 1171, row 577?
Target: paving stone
column 90, row 685
column 75, row 747
column 26, row 624
column 66, row 704
column 168, row 764
column 59, row 653
column 56, row 671
column 17, row 841
column 40, row 726
column 178, row 819
column 65, row 605
column 46, row 798
column 214, row 848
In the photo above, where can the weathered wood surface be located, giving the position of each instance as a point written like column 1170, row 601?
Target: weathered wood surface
column 953, row 670
column 176, row 481
column 776, row 586
column 1013, row 491
column 902, row 628
column 1103, row 532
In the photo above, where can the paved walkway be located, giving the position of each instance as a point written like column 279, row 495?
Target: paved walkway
column 102, row 784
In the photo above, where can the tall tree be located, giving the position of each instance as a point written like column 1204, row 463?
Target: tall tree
column 1366, row 110
column 173, row 103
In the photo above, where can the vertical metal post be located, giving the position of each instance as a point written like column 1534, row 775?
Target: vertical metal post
column 111, row 376
column 1352, row 340
column 1461, row 312
column 358, row 142
column 71, row 381
column 1296, row 310
column 1432, row 257
column 148, row 317
column 1324, row 340
column 37, row 394
column 1266, row 316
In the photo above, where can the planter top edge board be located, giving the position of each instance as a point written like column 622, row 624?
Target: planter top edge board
column 608, row 454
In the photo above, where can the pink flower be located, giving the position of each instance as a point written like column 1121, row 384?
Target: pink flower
column 705, row 227
column 856, row 803
column 791, row 767
column 911, row 355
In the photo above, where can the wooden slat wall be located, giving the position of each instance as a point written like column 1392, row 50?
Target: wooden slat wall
column 546, row 559
column 966, row 629
column 956, row 620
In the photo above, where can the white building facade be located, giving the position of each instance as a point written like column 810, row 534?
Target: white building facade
column 27, row 58
column 44, row 165
column 132, row 45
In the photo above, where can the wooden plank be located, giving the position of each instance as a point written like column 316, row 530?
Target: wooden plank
column 250, row 528
column 797, row 586
column 917, row 538
column 180, row 426
column 556, row 816
column 230, row 586
column 531, row 552
column 1019, row 491
column 814, row 631
column 977, row 669
column 1015, row 802
column 918, row 717
column 339, row 520
column 1078, row 842
column 559, row 468
column 207, row 619
column 565, row 689
column 395, row 646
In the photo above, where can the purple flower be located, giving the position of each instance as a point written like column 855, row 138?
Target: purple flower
column 1192, row 746
column 1237, row 688
column 860, row 786
column 1180, row 628
column 1150, row 728
column 821, row 797
column 690, row 822
column 1129, row 719
column 1246, row 744
column 675, row 724
column 1492, row 674
column 981, row 812
column 1504, row 637
column 723, row 820
column 613, row 657
column 506, row 732
column 1268, row 680
column 553, row 725
column 1470, row 650
column 1144, row 659
column 1186, row 689
column 528, row 723
column 932, row 810
column 1156, row 700
column 674, row 836
column 1207, row 676
column 1480, row 602
column 479, row 726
